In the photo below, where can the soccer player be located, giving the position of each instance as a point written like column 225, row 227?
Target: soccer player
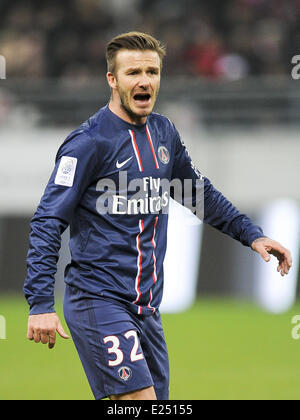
column 114, row 281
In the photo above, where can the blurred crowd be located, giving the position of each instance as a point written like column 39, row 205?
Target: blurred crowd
column 230, row 39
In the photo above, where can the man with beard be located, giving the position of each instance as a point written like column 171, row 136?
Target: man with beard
column 114, row 281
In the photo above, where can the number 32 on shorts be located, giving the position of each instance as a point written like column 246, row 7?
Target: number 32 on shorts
column 115, row 348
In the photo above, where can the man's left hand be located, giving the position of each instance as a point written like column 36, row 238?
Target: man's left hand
column 266, row 246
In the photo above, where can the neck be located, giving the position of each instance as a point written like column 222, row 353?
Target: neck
column 124, row 114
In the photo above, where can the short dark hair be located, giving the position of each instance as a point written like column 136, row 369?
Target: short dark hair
column 132, row 41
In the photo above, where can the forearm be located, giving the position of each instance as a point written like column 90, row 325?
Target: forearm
column 220, row 213
column 43, row 254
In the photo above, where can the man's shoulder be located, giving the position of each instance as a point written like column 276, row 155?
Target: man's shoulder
column 92, row 126
column 161, row 119
column 86, row 133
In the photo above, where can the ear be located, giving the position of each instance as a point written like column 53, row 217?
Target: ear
column 111, row 80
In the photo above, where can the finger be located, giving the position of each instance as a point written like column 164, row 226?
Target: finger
column 281, row 263
column 284, row 259
column 61, row 331
column 44, row 338
column 30, row 333
column 285, row 256
column 285, row 265
column 285, row 269
column 37, row 336
column 52, row 340
column 264, row 254
column 288, row 259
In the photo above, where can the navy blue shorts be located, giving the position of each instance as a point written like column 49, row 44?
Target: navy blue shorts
column 120, row 351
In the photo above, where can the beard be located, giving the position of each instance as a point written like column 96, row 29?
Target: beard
column 129, row 111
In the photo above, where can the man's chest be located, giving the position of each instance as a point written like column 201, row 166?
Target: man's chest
column 137, row 164
column 142, row 153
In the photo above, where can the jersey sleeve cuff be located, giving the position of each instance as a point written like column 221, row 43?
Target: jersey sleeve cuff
column 255, row 235
column 42, row 307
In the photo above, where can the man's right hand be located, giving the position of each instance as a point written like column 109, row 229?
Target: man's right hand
column 43, row 327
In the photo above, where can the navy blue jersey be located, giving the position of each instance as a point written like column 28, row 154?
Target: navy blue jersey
column 117, row 253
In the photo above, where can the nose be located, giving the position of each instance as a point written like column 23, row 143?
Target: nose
column 144, row 82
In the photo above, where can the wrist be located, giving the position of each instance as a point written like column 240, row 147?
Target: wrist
column 259, row 239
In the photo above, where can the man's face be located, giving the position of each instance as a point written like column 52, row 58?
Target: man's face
column 136, row 82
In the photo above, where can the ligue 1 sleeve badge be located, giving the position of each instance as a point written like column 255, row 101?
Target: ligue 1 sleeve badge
column 67, row 167
column 66, row 171
column 164, row 155
column 125, row 373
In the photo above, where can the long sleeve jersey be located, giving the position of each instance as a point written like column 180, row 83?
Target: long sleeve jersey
column 107, row 186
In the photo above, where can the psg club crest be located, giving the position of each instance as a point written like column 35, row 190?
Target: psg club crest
column 125, row 373
column 163, row 154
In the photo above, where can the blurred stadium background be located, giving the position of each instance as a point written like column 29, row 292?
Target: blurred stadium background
column 227, row 85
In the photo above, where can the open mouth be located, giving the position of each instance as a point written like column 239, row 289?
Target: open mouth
column 142, row 98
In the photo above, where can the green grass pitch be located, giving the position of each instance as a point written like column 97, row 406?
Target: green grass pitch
column 219, row 349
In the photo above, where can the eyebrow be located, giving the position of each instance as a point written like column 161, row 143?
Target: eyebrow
column 130, row 69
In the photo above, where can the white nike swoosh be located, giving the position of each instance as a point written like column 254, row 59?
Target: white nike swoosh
column 120, row 165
